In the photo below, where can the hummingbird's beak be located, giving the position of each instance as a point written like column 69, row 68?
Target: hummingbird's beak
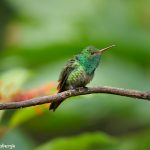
column 105, row 49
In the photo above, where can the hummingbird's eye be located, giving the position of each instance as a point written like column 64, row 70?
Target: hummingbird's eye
column 92, row 53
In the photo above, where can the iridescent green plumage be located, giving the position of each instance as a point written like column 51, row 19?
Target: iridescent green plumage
column 79, row 71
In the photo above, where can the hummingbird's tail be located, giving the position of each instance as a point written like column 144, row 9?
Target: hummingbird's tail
column 60, row 89
column 54, row 105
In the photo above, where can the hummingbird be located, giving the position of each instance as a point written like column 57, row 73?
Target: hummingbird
column 79, row 71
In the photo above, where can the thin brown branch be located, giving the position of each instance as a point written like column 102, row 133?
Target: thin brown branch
column 70, row 93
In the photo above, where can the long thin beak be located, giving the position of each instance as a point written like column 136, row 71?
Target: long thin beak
column 105, row 49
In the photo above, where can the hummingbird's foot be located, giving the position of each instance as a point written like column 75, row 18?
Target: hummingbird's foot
column 85, row 87
column 80, row 89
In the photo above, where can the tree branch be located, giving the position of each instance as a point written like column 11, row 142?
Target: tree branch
column 71, row 93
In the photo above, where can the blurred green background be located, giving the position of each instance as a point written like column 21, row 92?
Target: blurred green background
column 37, row 38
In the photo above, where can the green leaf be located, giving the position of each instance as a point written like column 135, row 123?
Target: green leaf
column 21, row 116
column 13, row 80
column 137, row 141
column 89, row 141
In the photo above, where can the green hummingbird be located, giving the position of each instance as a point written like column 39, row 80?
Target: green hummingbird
column 79, row 70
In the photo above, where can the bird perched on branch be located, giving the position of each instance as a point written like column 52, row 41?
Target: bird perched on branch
column 79, row 71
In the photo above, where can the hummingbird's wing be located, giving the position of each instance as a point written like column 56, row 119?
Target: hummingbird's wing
column 70, row 66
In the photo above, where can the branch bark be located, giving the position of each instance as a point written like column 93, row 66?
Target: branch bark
column 70, row 93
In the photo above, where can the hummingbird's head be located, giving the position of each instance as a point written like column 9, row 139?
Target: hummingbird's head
column 92, row 51
column 90, row 58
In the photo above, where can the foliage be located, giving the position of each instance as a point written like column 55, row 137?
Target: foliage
column 83, row 142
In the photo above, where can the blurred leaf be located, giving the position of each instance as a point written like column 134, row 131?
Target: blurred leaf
column 1, row 114
column 89, row 141
column 12, row 81
column 138, row 141
column 21, row 116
